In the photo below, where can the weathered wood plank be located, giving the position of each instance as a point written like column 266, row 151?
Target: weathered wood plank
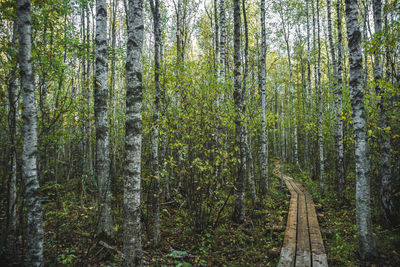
column 319, row 258
column 289, row 186
column 288, row 251
column 303, row 244
column 295, row 186
column 303, row 254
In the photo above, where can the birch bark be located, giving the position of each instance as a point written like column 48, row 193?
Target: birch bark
column 339, row 106
column 239, row 210
column 386, row 171
column 222, row 41
column 12, row 90
column 309, row 85
column 249, row 156
column 338, row 101
column 367, row 246
column 264, row 166
column 33, row 202
column 155, row 9
column 133, row 135
column 216, row 36
column 320, row 115
column 102, row 163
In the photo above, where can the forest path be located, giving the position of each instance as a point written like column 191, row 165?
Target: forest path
column 302, row 244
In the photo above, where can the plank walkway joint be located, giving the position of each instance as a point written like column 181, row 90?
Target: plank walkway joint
column 302, row 244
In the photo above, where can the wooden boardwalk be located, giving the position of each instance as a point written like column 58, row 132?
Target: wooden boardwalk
column 302, row 244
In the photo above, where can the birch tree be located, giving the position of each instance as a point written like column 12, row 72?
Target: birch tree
column 132, row 247
column 339, row 105
column 155, row 10
column 33, row 201
column 366, row 241
column 12, row 90
column 222, row 41
column 384, row 137
column 264, row 166
column 216, row 36
column 249, row 157
column 112, row 94
column 102, row 167
column 239, row 210
column 320, row 115
column 309, row 84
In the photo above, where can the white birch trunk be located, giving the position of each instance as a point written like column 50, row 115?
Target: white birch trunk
column 12, row 124
column 216, row 36
column 154, row 140
column 133, row 135
column 339, row 107
column 239, row 211
column 249, row 156
column 309, row 86
column 33, row 202
column 102, row 163
column 250, row 169
column 386, row 168
column 366, row 241
column 264, row 166
column 320, row 115
column 222, row 42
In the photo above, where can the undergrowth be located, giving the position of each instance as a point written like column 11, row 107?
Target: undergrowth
column 70, row 232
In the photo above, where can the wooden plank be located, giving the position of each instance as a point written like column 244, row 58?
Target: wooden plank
column 288, row 250
column 289, row 186
column 295, row 186
column 319, row 258
column 303, row 254
column 303, row 244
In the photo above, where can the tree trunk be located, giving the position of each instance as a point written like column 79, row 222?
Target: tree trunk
column 154, row 141
column 179, row 37
column 250, row 168
column 337, row 87
column 133, row 135
column 112, row 124
column 222, row 41
column 239, row 211
column 315, row 160
column 339, row 107
column 320, row 114
column 309, row 89
column 102, row 164
column 33, row 200
column 365, row 37
column 367, row 246
column 283, row 148
column 264, row 166
column 12, row 124
column 332, row 48
column 249, row 157
column 216, row 36
column 386, row 172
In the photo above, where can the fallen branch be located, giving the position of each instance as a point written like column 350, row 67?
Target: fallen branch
column 104, row 244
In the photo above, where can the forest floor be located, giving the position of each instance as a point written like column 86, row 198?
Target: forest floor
column 70, row 238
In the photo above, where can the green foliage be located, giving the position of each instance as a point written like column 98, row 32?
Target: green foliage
column 66, row 257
